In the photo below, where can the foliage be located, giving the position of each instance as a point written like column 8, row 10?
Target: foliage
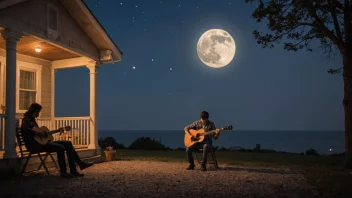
column 180, row 149
column 110, row 142
column 257, row 147
column 224, row 149
column 299, row 22
column 110, row 148
column 147, row 144
column 311, row 152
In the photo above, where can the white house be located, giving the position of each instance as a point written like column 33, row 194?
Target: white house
column 39, row 37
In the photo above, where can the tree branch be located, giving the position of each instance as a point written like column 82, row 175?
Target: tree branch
column 336, row 22
column 347, row 22
column 339, row 5
column 323, row 28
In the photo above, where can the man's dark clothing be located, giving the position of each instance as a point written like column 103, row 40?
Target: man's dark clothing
column 59, row 147
column 206, row 144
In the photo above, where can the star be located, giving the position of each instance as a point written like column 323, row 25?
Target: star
column 170, row 69
column 121, row 3
column 133, row 67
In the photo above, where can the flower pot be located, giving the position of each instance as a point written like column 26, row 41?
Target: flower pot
column 110, row 155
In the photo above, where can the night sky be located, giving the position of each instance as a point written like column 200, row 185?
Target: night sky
column 261, row 89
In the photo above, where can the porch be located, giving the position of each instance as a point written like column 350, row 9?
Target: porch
column 33, row 46
column 79, row 135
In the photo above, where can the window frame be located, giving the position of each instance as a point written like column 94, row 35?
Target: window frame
column 31, row 68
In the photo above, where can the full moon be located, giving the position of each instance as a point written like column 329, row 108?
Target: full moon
column 216, row 48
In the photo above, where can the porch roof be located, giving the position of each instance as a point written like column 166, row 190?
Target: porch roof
column 87, row 22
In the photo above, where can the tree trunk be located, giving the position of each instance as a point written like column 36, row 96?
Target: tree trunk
column 347, row 104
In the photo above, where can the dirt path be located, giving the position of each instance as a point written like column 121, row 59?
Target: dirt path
column 162, row 179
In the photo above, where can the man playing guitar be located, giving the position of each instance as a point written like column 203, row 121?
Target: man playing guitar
column 30, row 128
column 206, row 144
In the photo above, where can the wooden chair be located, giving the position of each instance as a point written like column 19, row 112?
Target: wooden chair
column 212, row 154
column 24, row 151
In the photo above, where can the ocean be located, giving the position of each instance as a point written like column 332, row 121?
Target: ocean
column 325, row 142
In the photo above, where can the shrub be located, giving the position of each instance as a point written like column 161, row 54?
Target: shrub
column 145, row 143
column 224, row 149
column 311, row 152
column 180, row 149
column 109, row 141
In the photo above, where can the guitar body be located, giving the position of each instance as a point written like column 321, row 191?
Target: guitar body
column 199, row 135
column 41, row 139
column 189, row 140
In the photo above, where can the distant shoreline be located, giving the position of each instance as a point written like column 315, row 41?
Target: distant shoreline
column 276, row 130
column 327, row 142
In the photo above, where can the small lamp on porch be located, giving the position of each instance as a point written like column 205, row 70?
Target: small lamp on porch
column 38, row 49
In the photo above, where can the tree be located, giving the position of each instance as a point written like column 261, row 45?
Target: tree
column 299, row 22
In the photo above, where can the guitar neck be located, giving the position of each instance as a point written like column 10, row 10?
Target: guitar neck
column 209, row 132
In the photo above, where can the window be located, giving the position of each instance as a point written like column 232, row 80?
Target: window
column 27, row 89
column 28, row 85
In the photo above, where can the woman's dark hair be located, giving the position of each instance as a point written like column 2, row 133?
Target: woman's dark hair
column 204, row 115
column 33, row 108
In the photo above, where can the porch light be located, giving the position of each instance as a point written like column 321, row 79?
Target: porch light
column 38, row 49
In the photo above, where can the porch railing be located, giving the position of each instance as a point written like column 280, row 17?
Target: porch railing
column 2, row 131
column 79, row 134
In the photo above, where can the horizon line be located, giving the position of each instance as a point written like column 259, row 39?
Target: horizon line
column 233, row 130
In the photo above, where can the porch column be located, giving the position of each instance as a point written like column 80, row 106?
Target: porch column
column 93, row 135
column 53, row 122
column 11, row 37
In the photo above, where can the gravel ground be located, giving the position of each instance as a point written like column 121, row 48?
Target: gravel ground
column 162, row 179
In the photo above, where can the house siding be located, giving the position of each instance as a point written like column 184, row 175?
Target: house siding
column 45, row 82
column 35, row 22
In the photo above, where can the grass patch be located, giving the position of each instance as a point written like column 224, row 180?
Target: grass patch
column 323, row 172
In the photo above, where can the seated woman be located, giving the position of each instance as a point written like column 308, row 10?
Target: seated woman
column 30, row 128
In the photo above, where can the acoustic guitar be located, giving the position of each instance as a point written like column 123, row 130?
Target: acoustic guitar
column 199, row 135
column 42, row 140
